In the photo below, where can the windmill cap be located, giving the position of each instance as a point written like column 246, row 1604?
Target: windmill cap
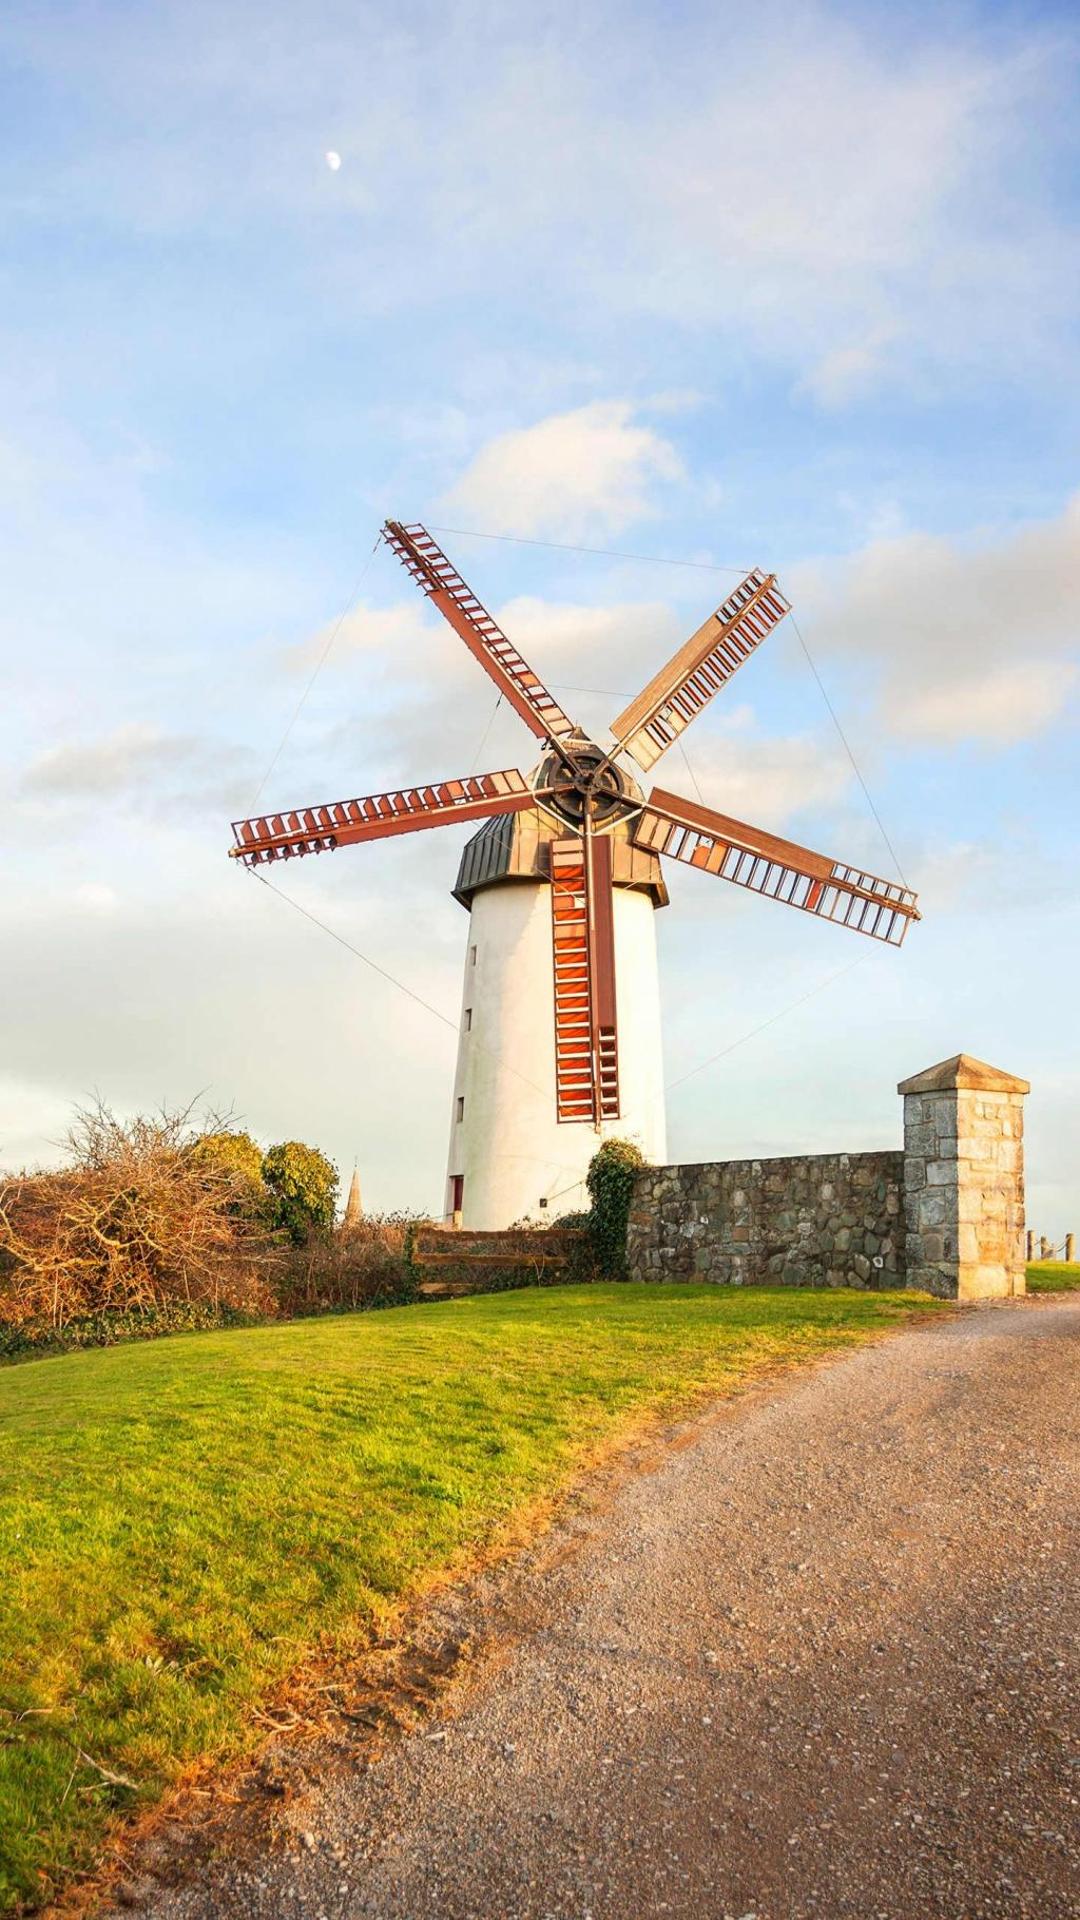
column 963, row 1071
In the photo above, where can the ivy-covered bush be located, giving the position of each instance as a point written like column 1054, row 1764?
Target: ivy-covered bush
column 583, row 1264
column 610, row 1181
column 302, row 1184
column 233, row 1152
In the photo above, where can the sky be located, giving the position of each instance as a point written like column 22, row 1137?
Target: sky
column 791, row 286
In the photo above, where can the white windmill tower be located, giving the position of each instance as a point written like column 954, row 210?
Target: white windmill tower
column 560, row 1025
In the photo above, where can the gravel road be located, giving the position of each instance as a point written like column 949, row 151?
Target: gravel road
column 816, row 1656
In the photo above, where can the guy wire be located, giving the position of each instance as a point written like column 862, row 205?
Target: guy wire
column 847, row 749
column 391, row 978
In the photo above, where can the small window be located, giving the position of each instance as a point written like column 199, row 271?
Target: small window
column 461, row 1106
column 457, row 1191
column 472, row 956
column 468, row 1019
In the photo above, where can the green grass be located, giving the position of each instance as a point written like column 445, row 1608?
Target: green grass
column 182, row 1522
column 1053, row 1276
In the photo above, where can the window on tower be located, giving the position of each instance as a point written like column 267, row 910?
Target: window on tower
column 461, row 1106
column 472, row 956
column 468, row 1019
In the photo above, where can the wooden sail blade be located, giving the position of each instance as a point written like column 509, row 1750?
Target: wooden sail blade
column 677, row 694
column 779, row 869
column 283, row 836
column 444, row 586
column 583, row 935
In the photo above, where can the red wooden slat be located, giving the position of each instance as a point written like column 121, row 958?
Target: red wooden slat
column 778, row 869
column 440, row 580
column 582, row 917
column 341, row 823
column 674, row 697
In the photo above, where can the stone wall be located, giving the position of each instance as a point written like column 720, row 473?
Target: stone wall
column 819, row 1220
column 945, row 1214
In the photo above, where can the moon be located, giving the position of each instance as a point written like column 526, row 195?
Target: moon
column 333, row 161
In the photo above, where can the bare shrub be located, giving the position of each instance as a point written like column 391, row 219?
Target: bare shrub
column 361, row 1264
column 136, row 1221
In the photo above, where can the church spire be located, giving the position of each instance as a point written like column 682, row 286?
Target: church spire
column 354, row 1206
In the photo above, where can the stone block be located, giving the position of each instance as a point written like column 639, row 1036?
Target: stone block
column 976, row 1148
column 984, row 1282
column 969, row 1203
column 967, row 1241
column 936, row 1205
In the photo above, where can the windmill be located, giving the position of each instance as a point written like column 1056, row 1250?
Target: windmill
column 560, row 1023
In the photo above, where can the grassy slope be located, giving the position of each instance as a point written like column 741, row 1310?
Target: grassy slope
column 1053, row 1276
column 180, row 1522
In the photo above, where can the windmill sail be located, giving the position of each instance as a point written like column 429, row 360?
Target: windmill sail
column 676, row 695
column 283, row 836
column 484, row 638
column 582, row 823
column 779, row 869
column 583, row 933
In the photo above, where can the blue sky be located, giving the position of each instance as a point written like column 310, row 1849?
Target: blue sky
column 796, row 290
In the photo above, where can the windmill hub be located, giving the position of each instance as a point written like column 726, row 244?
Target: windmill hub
column 581, row 780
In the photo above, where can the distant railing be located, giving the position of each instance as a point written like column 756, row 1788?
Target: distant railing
column 1044, row 1249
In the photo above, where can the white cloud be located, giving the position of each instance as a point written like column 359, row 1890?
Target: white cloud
column 1003, row 704
column 976, row 641
column 845, row 373
column 109, row 766
column 588, row 639
column 137, row 764
column 91, row 897
column 1013, row 874
column 764, row 779
column 33, row 1121
column 590, row 472
column 395, row 633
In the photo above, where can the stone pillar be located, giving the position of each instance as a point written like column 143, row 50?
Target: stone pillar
column 964, row 1180
column 1030, row 1246
column 1070, row 1248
